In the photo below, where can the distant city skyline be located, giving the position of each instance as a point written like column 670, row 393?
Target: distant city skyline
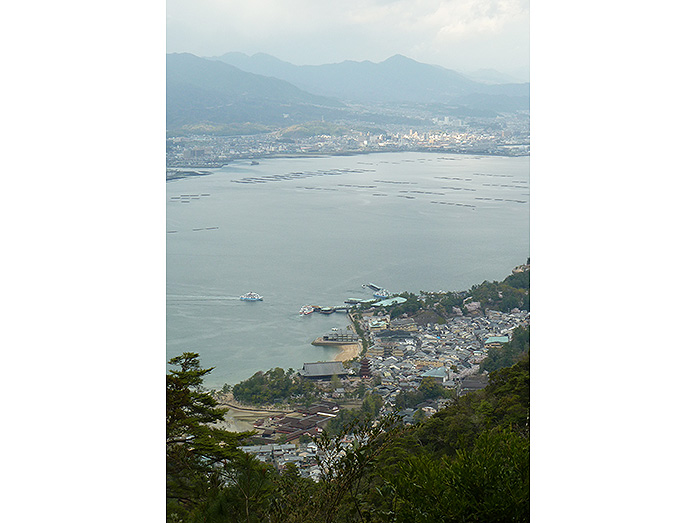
column 463, row 35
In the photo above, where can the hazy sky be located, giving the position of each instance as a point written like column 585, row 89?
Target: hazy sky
column 464, row 35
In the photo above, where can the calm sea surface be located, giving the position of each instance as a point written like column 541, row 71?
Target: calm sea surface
column 313, row 231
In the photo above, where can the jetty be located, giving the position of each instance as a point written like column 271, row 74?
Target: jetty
column 330, row 310
column 337, row 338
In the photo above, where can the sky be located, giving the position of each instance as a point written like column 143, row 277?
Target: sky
column 464, row 35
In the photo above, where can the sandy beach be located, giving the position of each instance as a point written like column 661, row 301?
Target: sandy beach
column 348, row 352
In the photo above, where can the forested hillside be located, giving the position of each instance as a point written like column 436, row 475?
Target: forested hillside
column 468, row 462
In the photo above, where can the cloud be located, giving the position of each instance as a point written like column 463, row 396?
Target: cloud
column 318, row 31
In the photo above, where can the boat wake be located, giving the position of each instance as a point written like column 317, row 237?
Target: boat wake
column 182, row 297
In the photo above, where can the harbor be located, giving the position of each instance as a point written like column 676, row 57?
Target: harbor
column 217, row 266
column 345, row 339
column 350, row 303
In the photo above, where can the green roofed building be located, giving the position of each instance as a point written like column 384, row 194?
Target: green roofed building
column 390, row 301
column 439, row 373
column 496, row 341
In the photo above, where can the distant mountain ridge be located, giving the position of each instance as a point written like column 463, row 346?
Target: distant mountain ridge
column 207, row 90
column 398, row 79
column 212, row 93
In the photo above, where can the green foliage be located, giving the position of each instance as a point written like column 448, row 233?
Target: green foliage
column 219, row 129
column 438, row 304
column 243, row 494
column 273, row 386
column 360, row 390
column 429, row 389
column 510, row 352
column 296, row 499
column 489, row 482
column 359, row 330
column 450, row 300
column 195, row 449
column 469, row 462
column 346, row 417
column 513, row 292
column 503, row 404
column 349, row 469
column 518, row 280
column 371, row 405
column 409, row 307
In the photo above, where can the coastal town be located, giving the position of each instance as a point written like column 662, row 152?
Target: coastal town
column 393, row 356
column 505, row 136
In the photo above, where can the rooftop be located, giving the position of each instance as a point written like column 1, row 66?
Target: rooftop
column 323, row 368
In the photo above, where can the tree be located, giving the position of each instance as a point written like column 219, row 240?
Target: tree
column 347, row 468
column 196, row 450
column 489, row 482
column 273, row 385
column 360, row 390
column 510, row 352
column 429, row 389
column 244, row 494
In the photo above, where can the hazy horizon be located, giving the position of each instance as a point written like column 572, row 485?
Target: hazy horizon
column 487, row 73
column 465, row 36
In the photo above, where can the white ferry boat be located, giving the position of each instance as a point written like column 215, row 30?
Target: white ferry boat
column 251, row 296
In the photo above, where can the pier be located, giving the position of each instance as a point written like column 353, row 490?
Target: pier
column 337, row 338
column 330, row 310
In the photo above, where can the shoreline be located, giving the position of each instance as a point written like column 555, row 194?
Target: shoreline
column 274, row 156
column 348, row 352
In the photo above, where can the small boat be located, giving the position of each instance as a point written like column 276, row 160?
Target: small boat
column 251, row 296
column 382, row 293
column 307, row 309
column 254, row 162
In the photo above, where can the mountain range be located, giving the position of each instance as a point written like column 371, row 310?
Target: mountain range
column 397, row 79
column 201, row 90
column 236, row 89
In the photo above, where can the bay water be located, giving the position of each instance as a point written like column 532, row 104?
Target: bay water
column 313, row 231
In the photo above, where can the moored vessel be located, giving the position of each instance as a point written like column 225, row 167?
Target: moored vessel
column 307, row 309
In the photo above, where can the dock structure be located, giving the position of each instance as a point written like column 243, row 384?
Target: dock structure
column 330, row 310
column 337, row 338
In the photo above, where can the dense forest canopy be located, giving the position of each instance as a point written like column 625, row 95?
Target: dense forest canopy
column 468, row 462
